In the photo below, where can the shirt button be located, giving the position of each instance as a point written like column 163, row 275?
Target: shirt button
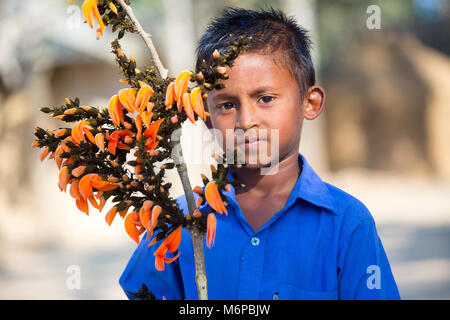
column 255, row 241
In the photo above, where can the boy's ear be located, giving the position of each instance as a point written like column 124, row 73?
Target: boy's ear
column 313, row 102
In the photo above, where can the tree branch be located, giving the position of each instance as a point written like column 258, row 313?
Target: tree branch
column 196, row 235
column 146, row 37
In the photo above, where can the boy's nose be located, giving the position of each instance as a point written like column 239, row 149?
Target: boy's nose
column 247, row 117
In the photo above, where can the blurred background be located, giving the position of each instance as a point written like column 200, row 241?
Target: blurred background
column 384, row 136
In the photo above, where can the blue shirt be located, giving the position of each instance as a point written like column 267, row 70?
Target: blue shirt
column 322, row 245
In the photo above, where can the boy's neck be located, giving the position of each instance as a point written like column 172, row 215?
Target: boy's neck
column 266, row 185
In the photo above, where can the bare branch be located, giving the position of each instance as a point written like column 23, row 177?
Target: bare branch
column 146, row 37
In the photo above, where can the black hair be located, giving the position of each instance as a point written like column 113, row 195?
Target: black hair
column 270, row 31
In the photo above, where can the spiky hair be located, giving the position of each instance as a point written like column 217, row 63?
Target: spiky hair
column 271, row 32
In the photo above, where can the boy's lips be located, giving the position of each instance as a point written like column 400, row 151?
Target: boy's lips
column 251, row 143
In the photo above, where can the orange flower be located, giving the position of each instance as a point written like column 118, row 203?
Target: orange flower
column 181, row 84
column 78, row 171
column 150, row 133
column 197, row 103
column 170, row 97
column 92, row 180
column 138, row 121
column 114, row 140
column 211, row 223
column 198, row 190
column 102, row 202
column 79, row 130
column 188, row 107
column 44, row 153
column 213, row 197
column 171, row 243
column 146, row 118
column 130, row 223
column 145, row 214
column 85, row 185
column 127, row 98
column 63, row 179
column 100, row 141
column 115, row 110
column 90, row 11
column 62, row 148
column 111, row 215
column 156, row 211
column 143, row 96
column 93, row 202
column 82, row 205
column 74, row 189
column 70, row 111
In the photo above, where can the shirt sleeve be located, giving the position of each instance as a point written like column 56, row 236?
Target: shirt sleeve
column 364, row 272
column 141, row 270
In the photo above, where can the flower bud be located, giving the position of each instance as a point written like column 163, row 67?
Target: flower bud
column 221, row 70
column 216, row 54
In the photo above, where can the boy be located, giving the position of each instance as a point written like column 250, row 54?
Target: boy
column 287, row 235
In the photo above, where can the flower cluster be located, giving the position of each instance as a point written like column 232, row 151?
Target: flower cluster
column 106, row 12
column 121, row 152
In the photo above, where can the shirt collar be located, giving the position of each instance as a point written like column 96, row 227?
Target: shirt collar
column 311, row 188
column 308, row 187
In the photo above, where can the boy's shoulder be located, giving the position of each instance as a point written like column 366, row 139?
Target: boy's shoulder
column 351, row 210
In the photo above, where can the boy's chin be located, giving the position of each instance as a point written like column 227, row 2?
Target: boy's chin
column 253, row 160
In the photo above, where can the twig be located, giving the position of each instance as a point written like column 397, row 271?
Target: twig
column 146, row 37
column 197, row 236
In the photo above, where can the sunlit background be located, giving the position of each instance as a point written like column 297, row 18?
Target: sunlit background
column 384, row 137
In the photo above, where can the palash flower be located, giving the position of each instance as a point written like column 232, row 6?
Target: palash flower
column 193, row 102
column 213, row 197
column 211, row 223
column 146, row 118
column 110, row 215
column 197, row 103
column 62, row 148
column 131, row 223
column 114, row 140
column 180, row 87
column 115, row 110
column 127, row 98
column 151, row 134
column 63, row 179
column 143, row 96
column 188, row 107
column 44, row 153
column 90, row 11
column 138, row 122
column 171, row 243
column 78, row 171
column 100, row 141
column 83, row 190
column 156, row 211
column 80, row 129
column 145, row 214
column 170, row 95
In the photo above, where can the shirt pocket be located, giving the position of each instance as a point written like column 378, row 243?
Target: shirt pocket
column 289, row 292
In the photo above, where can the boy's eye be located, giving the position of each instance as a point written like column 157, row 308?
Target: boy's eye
column 266, row 99
column 226, row 106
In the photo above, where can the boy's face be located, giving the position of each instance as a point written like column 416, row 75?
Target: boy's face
column 260, row 95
